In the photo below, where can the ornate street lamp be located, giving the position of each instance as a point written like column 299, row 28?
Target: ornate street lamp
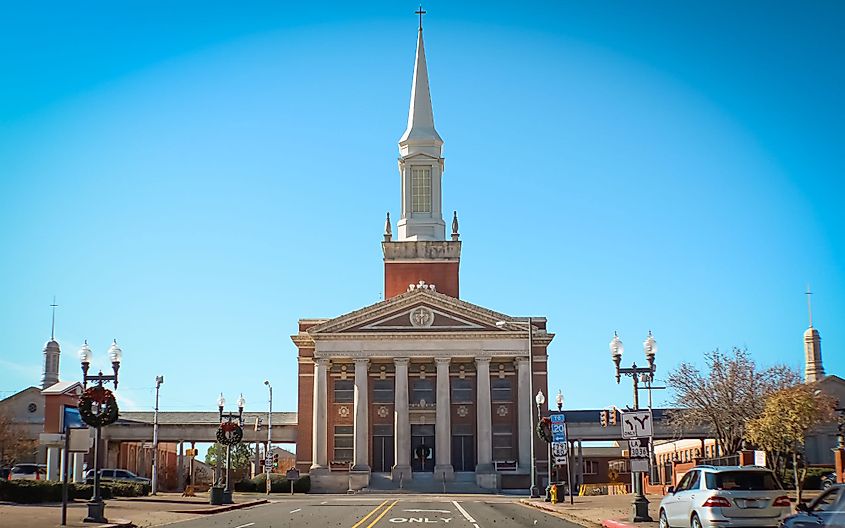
column 230, row 433
column 646, row 374
column 98, row 408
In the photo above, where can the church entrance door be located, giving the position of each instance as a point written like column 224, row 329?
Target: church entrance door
column 383, row 458
column 422, row 448
column 463, row 452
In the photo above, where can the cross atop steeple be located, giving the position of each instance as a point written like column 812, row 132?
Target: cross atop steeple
column 53, row 324
column 420, row 12
column 809, row 305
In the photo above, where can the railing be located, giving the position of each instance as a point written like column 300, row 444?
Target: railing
column 730, row 460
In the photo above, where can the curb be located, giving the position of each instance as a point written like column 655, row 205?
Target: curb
column 566, row 515
column 610, row 523
column 117, row 523
column 223, row 509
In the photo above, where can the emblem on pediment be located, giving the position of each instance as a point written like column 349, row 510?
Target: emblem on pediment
column 383, row 411
column 463, row 411
column 421, row 317
column 502, row 410
column 343, row 411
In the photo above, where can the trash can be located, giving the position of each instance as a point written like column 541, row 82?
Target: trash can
column 216, row 495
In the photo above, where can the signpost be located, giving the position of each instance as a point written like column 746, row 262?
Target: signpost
column 560, row 449
column 292, row 475
column 77, row 439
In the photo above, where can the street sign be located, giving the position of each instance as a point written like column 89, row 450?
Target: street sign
column 639, row 465
column 558, row 432
column 147, row 445
column 636, row 424
column 557, row 418
column 559, row 453
column 638, row 448
column 292, row 474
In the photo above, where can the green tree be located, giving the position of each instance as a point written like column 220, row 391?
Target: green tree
column 242, row 456
column 781, row 429
column 728, row 394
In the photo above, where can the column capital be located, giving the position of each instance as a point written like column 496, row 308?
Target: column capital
column 520, row 359
column 322, row 362
column 480, row 360
column 362, row 361
column 442, row 360
column 401, row 361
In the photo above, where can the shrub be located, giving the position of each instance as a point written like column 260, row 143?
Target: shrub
column 35, row 491
column 246, row 485
column 278, row 484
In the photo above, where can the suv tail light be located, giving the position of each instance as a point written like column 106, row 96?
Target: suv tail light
column 37, row 475
column 782, row 501
column 717, row 502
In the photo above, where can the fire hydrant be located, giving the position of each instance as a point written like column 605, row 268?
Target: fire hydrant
column 554, row 493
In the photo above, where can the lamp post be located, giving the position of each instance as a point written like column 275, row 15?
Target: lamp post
column 640, row 503
column 233, row 423
column 154, row 483
column 267, row 458
column 98, row 407
column 535, row 491
column 540, row 399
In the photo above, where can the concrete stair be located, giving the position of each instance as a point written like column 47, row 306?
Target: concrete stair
column 464, row 483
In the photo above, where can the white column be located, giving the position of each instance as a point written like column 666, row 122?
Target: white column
column 78, row 461
column 360, row 457
column 523, row 409
column 53, row 462
column 484, row 422
column 443, row 428
column 319, row 444
column 401, row 422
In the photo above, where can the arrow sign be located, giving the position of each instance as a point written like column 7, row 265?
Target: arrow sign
column 636, row 424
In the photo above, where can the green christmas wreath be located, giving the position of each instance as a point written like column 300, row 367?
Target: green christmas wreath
column 229, row 433
column 98, row 406
column 544, row 429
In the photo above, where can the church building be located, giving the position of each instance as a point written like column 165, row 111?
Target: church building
column 422, row 386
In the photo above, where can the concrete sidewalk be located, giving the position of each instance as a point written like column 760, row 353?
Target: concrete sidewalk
column 592, row 512
column 164, row 508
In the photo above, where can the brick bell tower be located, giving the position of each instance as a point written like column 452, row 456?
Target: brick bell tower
column 421, row 251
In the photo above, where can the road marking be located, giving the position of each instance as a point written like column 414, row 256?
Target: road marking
column 432, row 511
column 296, row 510
column 382, row 514
column 244, row 525
column 465, row 514
column 359, row 523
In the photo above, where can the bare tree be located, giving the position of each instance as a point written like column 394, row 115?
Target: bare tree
column 14, row 445
column 727, row 395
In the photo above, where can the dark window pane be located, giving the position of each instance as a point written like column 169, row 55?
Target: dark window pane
column 383, row 391
column 501, row 390
column 344, row 391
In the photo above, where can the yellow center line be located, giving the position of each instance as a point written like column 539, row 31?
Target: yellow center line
column 382, row 514
column 359, row 523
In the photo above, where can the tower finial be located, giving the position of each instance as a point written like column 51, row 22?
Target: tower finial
column 455, row 234
column 388, row 232
column 53, row 323
column 809, row 305
column 420, row 12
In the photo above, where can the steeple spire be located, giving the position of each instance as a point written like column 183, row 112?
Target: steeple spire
column 420, row 129
column 813, row 368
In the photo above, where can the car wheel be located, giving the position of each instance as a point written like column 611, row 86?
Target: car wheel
column 695, row 522
column 664, row 522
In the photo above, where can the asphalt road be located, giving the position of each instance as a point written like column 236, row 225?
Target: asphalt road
column 385, row 511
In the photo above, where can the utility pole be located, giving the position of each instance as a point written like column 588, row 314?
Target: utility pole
column 267, row 456
column 154, row 484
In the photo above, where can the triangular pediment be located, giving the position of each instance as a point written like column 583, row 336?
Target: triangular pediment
column 420, row 310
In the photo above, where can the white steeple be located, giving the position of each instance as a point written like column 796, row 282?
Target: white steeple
column 420, row 161
column 813, row 369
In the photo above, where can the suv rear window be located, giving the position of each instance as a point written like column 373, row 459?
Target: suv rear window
column 742, row 480
column 24, row 469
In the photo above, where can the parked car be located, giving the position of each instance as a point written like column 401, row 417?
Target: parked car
column 5, row 473
column 28, row 472
column 828, row 509
column 828, row 480
column 115, row 475
column 711, row 496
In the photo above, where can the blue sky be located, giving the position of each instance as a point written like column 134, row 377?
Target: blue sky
column 192, row 178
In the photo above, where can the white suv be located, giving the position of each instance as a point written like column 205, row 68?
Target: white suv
column 711, row 496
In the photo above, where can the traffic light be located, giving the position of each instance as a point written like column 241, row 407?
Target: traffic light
column 613, row 416
column 604, row 416
column 275, row 460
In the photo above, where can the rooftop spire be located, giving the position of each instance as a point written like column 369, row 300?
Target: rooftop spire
column 53, row 324
column 420, row 114
column 809, row 305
